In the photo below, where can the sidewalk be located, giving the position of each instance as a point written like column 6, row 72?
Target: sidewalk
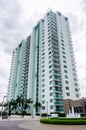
column 12, row 118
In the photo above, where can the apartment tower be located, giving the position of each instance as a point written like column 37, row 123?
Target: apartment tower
column 51, row 69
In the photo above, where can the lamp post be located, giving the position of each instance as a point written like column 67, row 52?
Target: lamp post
column 47, row 108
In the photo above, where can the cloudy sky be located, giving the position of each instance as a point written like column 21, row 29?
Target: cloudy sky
column 17, row 17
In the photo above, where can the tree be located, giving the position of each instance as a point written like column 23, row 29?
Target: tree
column 38, row 106
column 20, row 104
column 13, row 105
column 23, row 104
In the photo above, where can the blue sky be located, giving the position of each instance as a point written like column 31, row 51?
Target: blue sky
column 17, row 17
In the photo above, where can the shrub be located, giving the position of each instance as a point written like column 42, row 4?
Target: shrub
column 29, row 114
column 37, row 114
column 64, row 121
column 4, row 115
column 23, row 113
column 16, row 113
column 61, row 115
column 44, row 115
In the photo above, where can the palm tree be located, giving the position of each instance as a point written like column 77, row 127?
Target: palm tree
column 8, row 107
column 20, row 104
column 38, row 106
column 26, row 104
column 23, row 104
column 13, row 105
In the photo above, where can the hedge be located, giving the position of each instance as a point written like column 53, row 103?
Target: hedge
column 64, row 121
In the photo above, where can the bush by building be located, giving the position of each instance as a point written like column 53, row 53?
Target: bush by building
column 64, row 121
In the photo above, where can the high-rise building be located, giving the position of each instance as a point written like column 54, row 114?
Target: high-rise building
column 18, row 79
column 51, row 65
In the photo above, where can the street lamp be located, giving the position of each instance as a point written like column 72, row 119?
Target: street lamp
column 47, row 108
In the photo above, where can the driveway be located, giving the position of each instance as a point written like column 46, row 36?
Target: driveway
column 34, row 124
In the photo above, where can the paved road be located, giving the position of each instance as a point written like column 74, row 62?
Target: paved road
column 36, row 125
column 10, row 125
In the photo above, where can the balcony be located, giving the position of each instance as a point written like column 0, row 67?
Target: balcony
column 58, row 97
column 58, row 103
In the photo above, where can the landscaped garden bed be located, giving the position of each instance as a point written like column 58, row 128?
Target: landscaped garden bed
column 64, row 121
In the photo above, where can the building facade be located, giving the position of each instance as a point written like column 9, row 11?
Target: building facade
column 18, row 79
column 52, row 74
column 79, row 106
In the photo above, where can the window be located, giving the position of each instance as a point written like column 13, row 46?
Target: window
column 50, row 77
column 49, row 41
column 66, row 76
column 65, row 71
column 56, row 66
column 43, row 90
column 62, row 43
column 63, row 48
column 66, row 82
column 43, row 66
column 50, row 66
column 56, row 77
column 43, row 43
column 51, row 100
column 43, row 70
column 64, row 57
column 43, row 96
column 67, row 88
column 50, row 82
column 68, row 94
column 42, row 46
column 65, row 66
column 74, row 69
column 56, row 82
column 49, row 36
column 62, row 40
column 51, row 107
column 49, row 52
column 49, row 48
column 50, row 61
column 77, row 95
column 43, row 57
column 55, row 71
column 75, row 79
column 43, row 102
column 55, row 61
column 43, row 54
column 43, row 75
column 43, row 107
column 51, row 88
column 51, row 94
column 74, row 74
column 43, row 50
column 49, row 44
column 76, row 84
column 50, row 71
column 64, row 61
column 49, row 57
column 76, row 89
column 43, row 80
column 43, row 61
column 63, row 52
column 43, row 85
